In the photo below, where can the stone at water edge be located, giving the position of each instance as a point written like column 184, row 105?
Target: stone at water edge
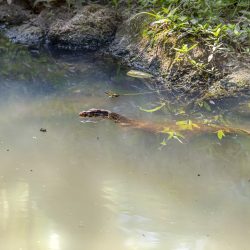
column 91, row 28
column 139, row 74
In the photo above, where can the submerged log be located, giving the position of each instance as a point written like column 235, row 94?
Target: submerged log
column 186, row 128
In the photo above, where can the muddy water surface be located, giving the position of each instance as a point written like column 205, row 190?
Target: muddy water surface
column 94, row 185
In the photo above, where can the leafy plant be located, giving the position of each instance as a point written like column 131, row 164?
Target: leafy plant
column 220, row 26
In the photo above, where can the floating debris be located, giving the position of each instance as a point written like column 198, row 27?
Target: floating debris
column 139, row 74
column 44, row 130
column 111, row 94
column 88, row 121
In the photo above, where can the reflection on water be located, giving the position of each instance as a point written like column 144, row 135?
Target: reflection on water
column 99, row 186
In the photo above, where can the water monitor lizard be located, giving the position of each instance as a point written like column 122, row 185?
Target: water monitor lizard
column 187, row 128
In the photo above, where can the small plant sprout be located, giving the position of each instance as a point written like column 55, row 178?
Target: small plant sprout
column 185, row 49
column 172, row 134
column 186, row 125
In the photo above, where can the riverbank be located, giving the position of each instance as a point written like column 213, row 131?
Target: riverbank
column 192, row 73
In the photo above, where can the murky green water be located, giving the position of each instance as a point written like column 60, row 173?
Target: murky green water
column 98, row 186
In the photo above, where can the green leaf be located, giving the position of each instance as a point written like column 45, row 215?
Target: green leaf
column 171, row 135
column 154, row 109
column 220, row 134
column 217, row 32
column 186, row 125
column 184, row 49
column 182, row 18
column 176, row 136
column 163, row 143
column 165, row 130
column 192, row 47
column 207, row 106
column 161, row 21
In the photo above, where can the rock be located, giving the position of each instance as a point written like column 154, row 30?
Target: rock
column 139, row 74
column 26, row 34
column 48, row 16
column 242, row 110
column 135, row 51
column 13, row 14
column 235, row 84
column 241, row 77
column 33, row 32
column 92, row 27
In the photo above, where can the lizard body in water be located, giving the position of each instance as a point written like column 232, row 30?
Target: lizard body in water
column 188, row 128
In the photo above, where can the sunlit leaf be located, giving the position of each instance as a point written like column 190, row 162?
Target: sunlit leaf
column 163, row 143
column 165, row 130
column 171, row 135
column 186, row 125
column 183, row 18
column 217, row 32
column 220, row 134
column 154, row 109
column 164, row 20
column 180, row 123
column 195, row 125
column 176, row 136
column 210, row 58
column 185, row 49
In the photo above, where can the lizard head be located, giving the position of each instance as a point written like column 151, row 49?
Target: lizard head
column 95, row 113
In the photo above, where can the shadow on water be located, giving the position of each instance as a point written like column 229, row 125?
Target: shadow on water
column 95, row 185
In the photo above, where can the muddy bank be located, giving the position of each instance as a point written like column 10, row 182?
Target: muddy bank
column 230, row 76
column 118, row 32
